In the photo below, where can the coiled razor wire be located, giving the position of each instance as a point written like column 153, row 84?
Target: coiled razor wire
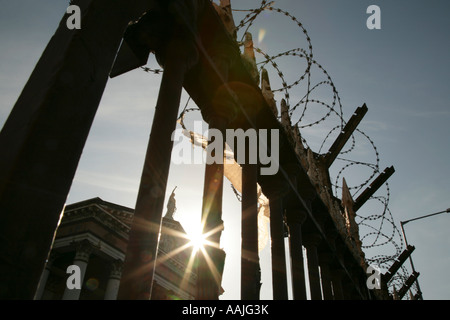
column 377, row 230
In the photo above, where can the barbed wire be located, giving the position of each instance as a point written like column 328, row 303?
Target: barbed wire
column 381, row 228
column 377, row 230
column 154, row 71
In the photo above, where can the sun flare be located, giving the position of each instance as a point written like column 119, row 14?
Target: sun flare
column 197, row 241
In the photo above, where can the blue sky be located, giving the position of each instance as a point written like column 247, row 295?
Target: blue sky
column 401, row 72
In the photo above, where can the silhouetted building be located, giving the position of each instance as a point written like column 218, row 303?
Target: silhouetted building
column 93, row 235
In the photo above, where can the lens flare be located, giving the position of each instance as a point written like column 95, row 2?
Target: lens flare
column 261, row 35
column 197, row 241
column 92, row 284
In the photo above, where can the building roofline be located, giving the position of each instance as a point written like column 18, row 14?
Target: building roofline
column 100, row 201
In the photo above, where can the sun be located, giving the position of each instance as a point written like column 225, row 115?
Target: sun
column 197, row 241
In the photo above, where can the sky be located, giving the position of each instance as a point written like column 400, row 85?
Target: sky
column 400, row 71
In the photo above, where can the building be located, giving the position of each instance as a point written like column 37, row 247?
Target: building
column 93, row 235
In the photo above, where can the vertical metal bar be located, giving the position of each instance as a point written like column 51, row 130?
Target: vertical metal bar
column 311, row 243
column 402, row 223
column 250, row 279
column 140, row 261
column 42, row 140
column 211, row 258
column 326, row 281
column 296, row 251
column 279, row 277
column 347, row 288
column 336, row 279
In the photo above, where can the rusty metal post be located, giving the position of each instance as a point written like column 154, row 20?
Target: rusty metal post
column 324, row 261
column 250, row 269
column 279, row 277
column 337, row 275
column 211, row 258
column 311, row 242
column 328, row 259
column 140, row 262
column 43, row 139
column 276, row 187
column 295, row 218
column 218, row 111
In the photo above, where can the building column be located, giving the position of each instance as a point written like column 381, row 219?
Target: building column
column 83, row 251
column 140, row 260
column 112, row 287
column 250, row 268
column 44, row 277
column 311, row 242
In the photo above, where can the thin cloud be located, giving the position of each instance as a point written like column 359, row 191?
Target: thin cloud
column 106, row 181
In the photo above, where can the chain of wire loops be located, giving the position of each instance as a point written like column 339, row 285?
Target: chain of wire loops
column 375, row 223
column 381, row 227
